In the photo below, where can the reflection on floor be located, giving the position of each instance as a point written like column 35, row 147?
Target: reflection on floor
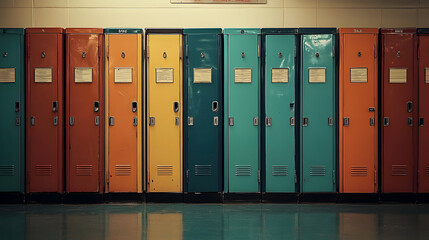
column 213, row 221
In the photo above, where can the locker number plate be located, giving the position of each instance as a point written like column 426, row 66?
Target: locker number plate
column 7, row 75
column 83, row 75
column 397, row 75
column 123, row 75
column 317, row 75
column 164, row 75
column 358, row 75
column 202, row 75
column 243, row 75
column 426, row 75
column 280, row 75
column 43, row 75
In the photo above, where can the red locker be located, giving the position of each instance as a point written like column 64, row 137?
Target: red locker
column 45, row 112
column 84, row 110
column 399, row 110
column 423, row 181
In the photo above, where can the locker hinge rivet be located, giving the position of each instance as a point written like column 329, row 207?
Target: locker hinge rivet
column 43, row 54
column 5, row 54
column 123, row 54
column 203, row 55
column 164, row 55
column 83, row 54
column 359, row 54
column 242, row 54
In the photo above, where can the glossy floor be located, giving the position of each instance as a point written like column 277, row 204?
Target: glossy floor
column 213, row 221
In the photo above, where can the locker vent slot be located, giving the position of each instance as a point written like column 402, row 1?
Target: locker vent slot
column 83, row 170
column 165, row 170
column 399, row 170
column 317, row 170
column 427, row 171
column 243, row 170
column 123, row 170
column 359, row 171
column 280, row 170
column 43, row 170
column 7, row 170
column 203, row 170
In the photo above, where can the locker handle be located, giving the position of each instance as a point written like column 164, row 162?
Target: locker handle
column 215, row 106
column 386, row 121
column 54, row 106
column 134, row 106
column 421, row 122
column 409, row 106
column 305, row 122
column 96, row 106
column 176, row 106
column 55, row 121
column 16, row 106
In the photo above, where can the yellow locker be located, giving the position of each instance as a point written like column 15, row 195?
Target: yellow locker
column 164, row 110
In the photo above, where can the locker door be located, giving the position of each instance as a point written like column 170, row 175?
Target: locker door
column 242, row 116
column 423, row 113
column 358, row 116
column 204, row 102
column 83, row 113
column 280, row 113
column 164, row 72
column 399, row 146
column 318, row 114
column 45, row 112
column 123, row 112
column 12, row 120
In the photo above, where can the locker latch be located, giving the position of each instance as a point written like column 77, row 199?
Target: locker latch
column 151, row 121
column 32, row 121
column 135, row 121
column 97, row 120
column 372, row 122
column 305, row 122
column 55, row 121
column 268, row 122
column 410, row 121
column 134, row 106
column 409, row 106
column 176, row 106
column 190, row 121
column 215, row 106
column 386, row 121
column 83, row 54
column 292, row 121
column 16, row 106
column 176, row 121
column 71, row 121
column 187, row 175
column 231, row 121
column 111, row 121
column 346, row 121
column 330, row 121
column 18, row 121
column 255, row 121
column 54, row 106
column 216, row 121
column 96, row 106
column 421, row 122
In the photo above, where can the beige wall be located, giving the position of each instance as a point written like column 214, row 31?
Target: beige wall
column 160, row 13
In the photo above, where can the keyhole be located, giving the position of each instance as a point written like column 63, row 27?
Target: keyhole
column 43, row 54
column 84, row 55
column 280, row 54
column 164, row 55
column 398, row 54
column 242, row 54
column 317, row 55
column 203, row 55
column 359, row 54
column 123, row 54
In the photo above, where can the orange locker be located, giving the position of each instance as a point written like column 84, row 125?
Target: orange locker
column 44, row 110
column 123, row 110
column 358, row 138
column 84, row 110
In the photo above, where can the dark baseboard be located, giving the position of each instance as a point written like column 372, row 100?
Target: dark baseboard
column 164, row 197
column 358, row 198
column 202, row 197
column 422, row 197
column 44, row 198
column 123, row 197
column 242, row 197
column 280, row 197
column 318, row 197
column 12, row 198
column 78, row 198
column 398, row 197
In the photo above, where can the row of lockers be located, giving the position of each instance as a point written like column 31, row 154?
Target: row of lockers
column 239, row 110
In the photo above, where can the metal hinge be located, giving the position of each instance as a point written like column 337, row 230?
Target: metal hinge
column 187, row 175
column 151, row 121
column 292, row 121
column 333, row 176
column 186, row 52
column 259, row 176
column 330, row 121
column 181, row 53
column 296, row 180
column 255, row 121
column 231, row 121
column 190, row 121
column 135, row 121
column 259, row 50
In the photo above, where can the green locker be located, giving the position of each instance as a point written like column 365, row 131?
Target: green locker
column 278, row 96
column 12, row 127
column 203, row 110
column 242, row 110
column 317, row 110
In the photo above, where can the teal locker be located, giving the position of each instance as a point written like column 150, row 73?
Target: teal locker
column 279, row 72
column 242, row 110
column 203, row 110
column 318, row 111
column 12, row 120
